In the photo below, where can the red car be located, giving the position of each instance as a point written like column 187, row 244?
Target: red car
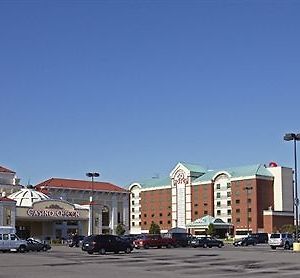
column 147, row 241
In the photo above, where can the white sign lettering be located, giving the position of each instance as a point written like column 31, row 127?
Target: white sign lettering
column 53, row 213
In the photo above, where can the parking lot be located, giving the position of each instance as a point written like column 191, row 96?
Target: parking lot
column 62, row 261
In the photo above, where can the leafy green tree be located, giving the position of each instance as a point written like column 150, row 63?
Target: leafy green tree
column 288, row 228
column 120, row 230
column 154, row 229
column 211, row 229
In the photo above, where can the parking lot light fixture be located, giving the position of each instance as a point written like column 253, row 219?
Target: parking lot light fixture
column 295, row 137
column 92, row 175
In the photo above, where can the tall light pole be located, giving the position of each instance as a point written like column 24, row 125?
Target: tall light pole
column 92, row 175
column 248, row 188
column 294, row 137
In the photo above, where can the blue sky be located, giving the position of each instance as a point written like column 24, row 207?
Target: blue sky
column 129, row 88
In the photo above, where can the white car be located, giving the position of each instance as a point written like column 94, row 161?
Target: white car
column 284, row 240
column 9, row 241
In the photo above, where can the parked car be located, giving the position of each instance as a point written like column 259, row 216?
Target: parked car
column 147, row 241
column 9, row 241
column 206, row 242
column 284, row 240
column 261, row 237
column 37, row 245
column 76, row 241
column 245, row 241
column 105, row 243
column 181, row 239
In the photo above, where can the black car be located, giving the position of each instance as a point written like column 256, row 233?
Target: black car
column 106, row 243
column 37, row 245
column 245, row 241
column 76, row 241
column 261, row 237
column 206, row 242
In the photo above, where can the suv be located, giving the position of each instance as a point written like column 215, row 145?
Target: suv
column 10, row 241
column 261, row 237
column 284, row 240
column 106, row 243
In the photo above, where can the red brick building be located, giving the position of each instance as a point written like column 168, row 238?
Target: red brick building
column 252, row 198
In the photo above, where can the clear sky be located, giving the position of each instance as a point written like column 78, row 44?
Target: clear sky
column 130, row 88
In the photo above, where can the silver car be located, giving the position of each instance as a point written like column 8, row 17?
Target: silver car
column 284, row 240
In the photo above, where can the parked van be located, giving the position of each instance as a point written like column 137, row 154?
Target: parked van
column 9, row 241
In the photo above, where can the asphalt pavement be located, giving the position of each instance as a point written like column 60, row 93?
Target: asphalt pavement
column 229, row 261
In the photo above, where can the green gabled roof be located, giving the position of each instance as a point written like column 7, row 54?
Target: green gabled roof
column 155, row 182
column 194, row 167
column 236, row 172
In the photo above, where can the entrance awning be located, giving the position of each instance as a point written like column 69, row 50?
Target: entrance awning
column 204, row 222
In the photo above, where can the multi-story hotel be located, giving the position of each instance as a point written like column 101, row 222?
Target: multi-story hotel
column 255, row 198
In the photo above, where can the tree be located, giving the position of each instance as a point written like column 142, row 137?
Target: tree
column 154, row 229
column 288, row 228
column 120, row 230
column 211, row 229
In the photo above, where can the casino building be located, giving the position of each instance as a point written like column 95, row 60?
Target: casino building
column 58, row 207
column 253, row 198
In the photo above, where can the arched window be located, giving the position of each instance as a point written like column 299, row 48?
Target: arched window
column 105, row 216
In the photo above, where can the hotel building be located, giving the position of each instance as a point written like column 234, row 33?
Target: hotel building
column 254, row 198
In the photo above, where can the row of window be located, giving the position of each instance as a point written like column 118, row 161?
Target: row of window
column 160, row 214
column 145, row 223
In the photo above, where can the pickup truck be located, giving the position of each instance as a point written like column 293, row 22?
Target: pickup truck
column 147, row 241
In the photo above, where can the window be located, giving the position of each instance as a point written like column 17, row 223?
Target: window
column 218, row 195
column 160, row 222
column 249, row 219
column 140, row 223
column 169, row 214
column 237, row 201
column 205, row 204
column 140, row 216
column 218, row 204
column 218, row 186
column 238, row 220
column 132, row 209
column 152, row 215
column 132, row 195
column 229, row 212
column 196, row 212
column 133, row 216
column 160, row 214
column 228, row 220
column 249, row 201
column 228, row 194
column 132, row 224
column 228, row 203
column 145, row 214
column 169, row 222
column 205, row 212
column 238, row 211
column 228, row 185
column 196, row 205
column 249, row 209
column 132, row 203
column 218, row 212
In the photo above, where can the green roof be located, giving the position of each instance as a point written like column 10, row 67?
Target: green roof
column 236, row 172
column 155, row 182
column 194, row 167
column 206, row 220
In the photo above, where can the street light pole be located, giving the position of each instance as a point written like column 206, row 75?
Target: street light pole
column 295, row 138
column 92, row 175
column 248, row 188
